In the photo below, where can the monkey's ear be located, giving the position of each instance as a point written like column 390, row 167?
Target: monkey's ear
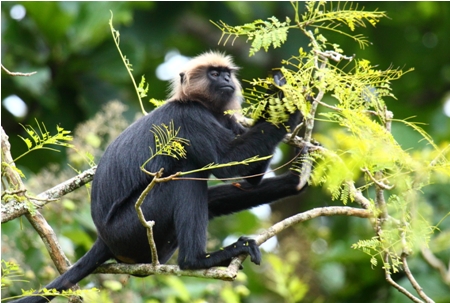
column 181, row 78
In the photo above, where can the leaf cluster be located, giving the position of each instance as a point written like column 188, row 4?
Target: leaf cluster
column 10, row 272
column 40, row 140
column 350, row 93
column 318, row 14
column 167, row 143
column 263, row 34
column 359, row 85
column 332, row 15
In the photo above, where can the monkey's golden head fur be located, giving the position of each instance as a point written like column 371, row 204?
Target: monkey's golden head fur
column 192, row 83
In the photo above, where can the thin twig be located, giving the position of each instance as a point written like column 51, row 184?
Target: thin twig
column 434, row 262
column 17, row 73
column 149, row 224
column 296, row 130
column 413, row 281
column 335, row 56
column 396, row 285
column 13, row 192
column 377, row 182
column 383, row 215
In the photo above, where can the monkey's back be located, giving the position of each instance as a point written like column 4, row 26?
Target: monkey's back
column 118, row 183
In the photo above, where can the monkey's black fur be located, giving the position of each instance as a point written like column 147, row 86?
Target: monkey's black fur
column 181, row 209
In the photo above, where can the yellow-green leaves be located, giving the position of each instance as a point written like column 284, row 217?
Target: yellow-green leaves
column 330, row 16
column 156, row 103
column 143, row 88
column 40, row 140
column 262, row 33
column 167, row 143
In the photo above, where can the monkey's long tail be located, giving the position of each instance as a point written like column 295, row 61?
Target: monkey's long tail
column 97, row 255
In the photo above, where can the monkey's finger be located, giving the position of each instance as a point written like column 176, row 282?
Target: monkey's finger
column 255, row 253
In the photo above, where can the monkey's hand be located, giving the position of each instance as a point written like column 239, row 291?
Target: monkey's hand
column 275, row 92
column 279, row 79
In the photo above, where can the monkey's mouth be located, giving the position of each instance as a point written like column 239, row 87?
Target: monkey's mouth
column 227, row 88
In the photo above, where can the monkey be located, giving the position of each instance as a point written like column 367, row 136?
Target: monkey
column 205, row 88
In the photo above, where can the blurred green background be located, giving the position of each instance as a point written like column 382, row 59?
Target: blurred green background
column 79, row 70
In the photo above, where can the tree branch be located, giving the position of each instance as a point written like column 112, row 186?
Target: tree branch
column 14, row 208
column 148, row 224
column 149, row 269
column 401, row 289
column 38, row 222
column 413, row 281
column 17, row 73
column 434, row 262
column 50, row 240
column 311, row 214
column 230, row 273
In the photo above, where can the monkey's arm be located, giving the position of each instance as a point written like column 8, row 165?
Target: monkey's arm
column 231, row 198
column 211, row 142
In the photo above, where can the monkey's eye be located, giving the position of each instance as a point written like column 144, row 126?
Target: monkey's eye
column 214, row 73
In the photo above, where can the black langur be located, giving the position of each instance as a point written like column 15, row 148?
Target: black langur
column 181, row 209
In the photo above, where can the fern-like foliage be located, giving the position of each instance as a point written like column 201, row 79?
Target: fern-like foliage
column 263, row 34
column 42, row 138
column 142, row 88
column 156, row 103
column 11, row 272
column 332, row 15
column 356, row 86
column 167, row 142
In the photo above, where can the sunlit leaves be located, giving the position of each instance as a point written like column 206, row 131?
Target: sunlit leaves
column 167, row 143
column 330, row 16
column 263, row 34
column 156, row 103
column 42, row 138
column 143, row 88
column 11, row 272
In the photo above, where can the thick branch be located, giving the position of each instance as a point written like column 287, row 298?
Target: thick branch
column 14, row 209
column 149, row 269
column 50, row 240
column 230, row 273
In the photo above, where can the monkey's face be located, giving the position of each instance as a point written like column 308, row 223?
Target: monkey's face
column 221, row 86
